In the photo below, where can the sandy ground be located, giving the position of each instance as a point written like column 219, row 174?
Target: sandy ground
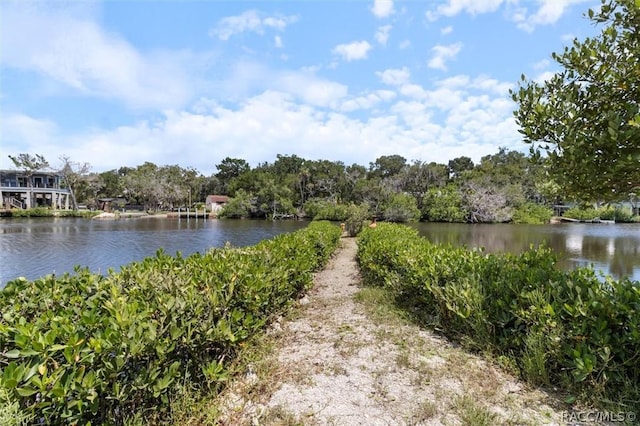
column 335, row 363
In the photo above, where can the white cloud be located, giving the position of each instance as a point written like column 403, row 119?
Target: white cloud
column 249, row 21
column 367, row 101
column 544, row 76
column 382, row 34
column 446, row 30
column 548, row 13
column 382, row 8
column 540, row 65
column 455, row 7
column 310, row 88
column 394, row 77
column 278, row 41
column 77, row 53
column 474, row 118
column 24, row 134
column 443, row 53
column 353, row 51
column 404, row 44
column 246, row 78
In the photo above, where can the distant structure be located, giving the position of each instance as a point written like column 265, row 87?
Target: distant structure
column 18, row 190
column 215, row 203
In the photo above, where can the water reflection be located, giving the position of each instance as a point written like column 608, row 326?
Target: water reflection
column 611, row 249
column 39, row 246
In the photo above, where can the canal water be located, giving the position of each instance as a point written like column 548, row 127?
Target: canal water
column 611, row 249
column 34, row 247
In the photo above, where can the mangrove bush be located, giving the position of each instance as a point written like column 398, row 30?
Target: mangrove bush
column 89, row 349
column 567, row 329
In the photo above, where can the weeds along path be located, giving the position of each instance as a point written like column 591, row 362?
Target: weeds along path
column 345, row 356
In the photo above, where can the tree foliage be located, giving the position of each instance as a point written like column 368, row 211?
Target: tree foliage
column 587, row 116
column 391, row 188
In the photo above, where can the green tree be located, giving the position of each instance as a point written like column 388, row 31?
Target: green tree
column 459, row 165
column 587, row 116
column 387, row 166
column 417, row 178
column 401, row 208
column 444, row 205
column 239, row 206
column 229, row 169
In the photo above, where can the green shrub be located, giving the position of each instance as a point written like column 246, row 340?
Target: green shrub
column 401, row 208
column 357, row 218
column 606, row 213
column 532, row 213
column 85, row 348
column 327, row 210
column 568, row 329
column 618, row 214
column 444, row 205
column 581, row 213
column 238, row 207
column 34, row 212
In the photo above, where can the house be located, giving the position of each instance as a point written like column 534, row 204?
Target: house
column 21, row 190
column 214, row 203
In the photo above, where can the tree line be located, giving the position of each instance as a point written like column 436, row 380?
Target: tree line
column 508, row 186
column 500, row 188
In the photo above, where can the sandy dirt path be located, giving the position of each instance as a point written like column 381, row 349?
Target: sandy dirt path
column 336, row 361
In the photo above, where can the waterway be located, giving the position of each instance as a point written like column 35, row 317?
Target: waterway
column 611, row 249
column 34, row 247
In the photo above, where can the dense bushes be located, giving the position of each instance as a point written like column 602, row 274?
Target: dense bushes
column 85, row 348
column 532, row 213
column 567, row 329
column 606, row 213
column 47, row 212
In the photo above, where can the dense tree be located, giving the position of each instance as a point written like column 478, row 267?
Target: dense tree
column 387, row 166
column 229, row 169
column 401, row 208
column 459, row 165
column 392, row 189
column 417, row 178
column 587, row 116
column 239, row 206
column 444, row 205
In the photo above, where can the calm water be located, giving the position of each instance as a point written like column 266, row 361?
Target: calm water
column 611, row 249
column 35, row 247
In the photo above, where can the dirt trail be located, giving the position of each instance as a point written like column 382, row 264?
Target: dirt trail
column 337, row 362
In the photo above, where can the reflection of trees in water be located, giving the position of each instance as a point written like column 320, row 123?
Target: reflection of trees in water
column 620, row 254
column 626, row 259
column 615, row 255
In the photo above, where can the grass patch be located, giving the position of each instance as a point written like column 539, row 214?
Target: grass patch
column 473, row 414
column 380, row 306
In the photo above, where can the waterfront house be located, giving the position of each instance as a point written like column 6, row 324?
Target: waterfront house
column 19, row 190
column 214, row 203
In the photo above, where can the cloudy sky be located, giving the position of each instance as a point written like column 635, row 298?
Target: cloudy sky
column 118, row 83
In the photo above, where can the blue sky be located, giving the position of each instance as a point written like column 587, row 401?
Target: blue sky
column 118, row 83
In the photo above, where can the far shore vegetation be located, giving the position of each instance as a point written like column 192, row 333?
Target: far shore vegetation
column 506, row 187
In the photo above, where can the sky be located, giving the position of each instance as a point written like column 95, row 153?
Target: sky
column 188, row 83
